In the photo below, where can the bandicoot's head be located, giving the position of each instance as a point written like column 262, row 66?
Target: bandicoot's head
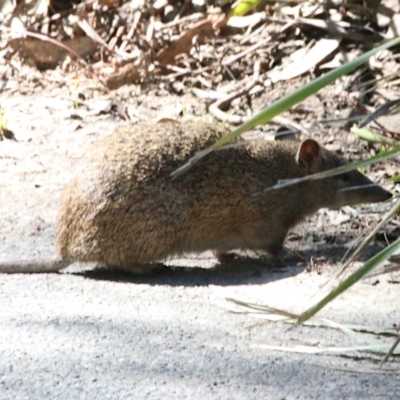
column 337, row 191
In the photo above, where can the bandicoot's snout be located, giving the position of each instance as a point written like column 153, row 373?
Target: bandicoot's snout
column 368, row 192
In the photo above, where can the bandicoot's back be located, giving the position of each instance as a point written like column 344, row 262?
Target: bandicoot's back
column 122, row 209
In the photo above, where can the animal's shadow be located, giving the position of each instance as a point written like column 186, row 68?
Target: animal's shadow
column 242, row 271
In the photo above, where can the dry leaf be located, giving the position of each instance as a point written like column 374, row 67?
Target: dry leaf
column 108, row 3
column 204, row 28
column 6, row 7
column 305, row 60
column 85, row 26
column 45, row 54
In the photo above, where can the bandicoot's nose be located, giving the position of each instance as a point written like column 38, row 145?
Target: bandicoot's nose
column 374, row 193
column 365, row 193
column 382, row 194
column 388, row 195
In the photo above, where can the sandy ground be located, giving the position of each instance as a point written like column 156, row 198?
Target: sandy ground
column 88, row 335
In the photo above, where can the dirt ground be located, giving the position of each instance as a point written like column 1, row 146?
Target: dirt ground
column 96, row 335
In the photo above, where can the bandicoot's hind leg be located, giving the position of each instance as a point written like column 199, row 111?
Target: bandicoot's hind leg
column 53, row 264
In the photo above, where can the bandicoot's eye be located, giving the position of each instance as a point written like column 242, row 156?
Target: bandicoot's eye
column 345, row 177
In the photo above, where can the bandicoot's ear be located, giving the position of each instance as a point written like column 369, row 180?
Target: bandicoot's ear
column 308, row 154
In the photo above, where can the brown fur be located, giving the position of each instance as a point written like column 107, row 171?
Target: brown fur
column 123, row 210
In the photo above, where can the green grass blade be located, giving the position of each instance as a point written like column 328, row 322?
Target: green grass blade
column 350, row 280
column 302, row 93
column 287, row 102
column 370, row 136
column 273, row 314
column 340, row 170
column 244, row 7
column 318, row 350
column 387, row 217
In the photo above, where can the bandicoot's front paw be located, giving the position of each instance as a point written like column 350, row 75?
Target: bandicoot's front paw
column 226, row 256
